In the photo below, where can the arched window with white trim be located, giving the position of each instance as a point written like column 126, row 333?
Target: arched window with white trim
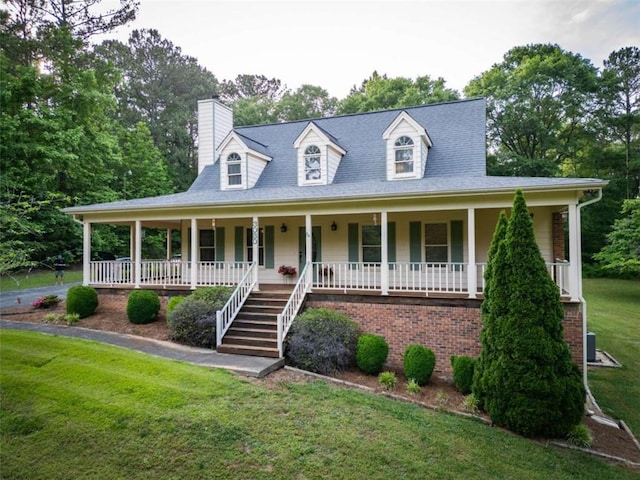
column 312, row 163
column 403, row 148
column 234, row 169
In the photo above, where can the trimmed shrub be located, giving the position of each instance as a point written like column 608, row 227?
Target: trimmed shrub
column 371, row 353
column 322, row 341
column 463, row 370
column 82, row 300
column 527, row 381
column 173, row 303
column 143, row 306
column 215, row 296
column 193, row 322
column 418, row 363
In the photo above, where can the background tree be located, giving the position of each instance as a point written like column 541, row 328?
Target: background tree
column 621, row 95
column 530, row 384
column 621, row 255
column 380, row 93
column 161, row 86
column 253, row 98
column 539, row 100
column 83, row 18
column 308, row 101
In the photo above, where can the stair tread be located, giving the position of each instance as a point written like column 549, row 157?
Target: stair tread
column 246, row 347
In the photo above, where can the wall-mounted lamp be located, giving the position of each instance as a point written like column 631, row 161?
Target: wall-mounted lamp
column 334, row 227
column 213, row 223
column 283, row 228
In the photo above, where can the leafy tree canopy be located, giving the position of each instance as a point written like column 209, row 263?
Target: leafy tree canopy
column 621, row 255
column 380, row 92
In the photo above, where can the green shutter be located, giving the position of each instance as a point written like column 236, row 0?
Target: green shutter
column 239, row 244
column 415, row 244
column 220, row 244
column 317, row 235
column 457, row 250
column 391, row 242
column 354, row 244
column 189, row 244
column 268, row 247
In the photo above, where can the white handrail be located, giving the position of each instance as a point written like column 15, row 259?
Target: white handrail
column 225, row 316
column 285, row 319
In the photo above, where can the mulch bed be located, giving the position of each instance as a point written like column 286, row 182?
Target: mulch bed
column 440, row 393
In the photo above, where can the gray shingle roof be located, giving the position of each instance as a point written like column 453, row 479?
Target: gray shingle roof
column 456, row 163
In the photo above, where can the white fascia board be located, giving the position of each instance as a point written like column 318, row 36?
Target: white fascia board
column 233, row 136
column 318, row 131
column 403, row 115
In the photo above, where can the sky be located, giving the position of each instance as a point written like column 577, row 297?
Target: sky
column 337, row 44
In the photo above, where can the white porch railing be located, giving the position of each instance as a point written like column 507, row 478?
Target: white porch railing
column 559, row 272
column 166, row 273
column 285, row 319
column 225, row 316
column 403, row 277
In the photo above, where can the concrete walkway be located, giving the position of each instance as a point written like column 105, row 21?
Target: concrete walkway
column 242, row 364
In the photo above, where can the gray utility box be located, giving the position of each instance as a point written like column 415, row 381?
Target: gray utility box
column 591, row 347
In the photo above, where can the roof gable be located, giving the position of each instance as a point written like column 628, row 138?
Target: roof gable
column 403, row 116
column 252, row 146
column 326, row 137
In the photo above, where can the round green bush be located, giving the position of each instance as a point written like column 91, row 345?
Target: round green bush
column 193, row 322
column 371, row 353
column 418, row 363
column 173, row 303
column 463, row 370
column 322, row 341
column 216, row 296
column 143, row 306
column 82, row 300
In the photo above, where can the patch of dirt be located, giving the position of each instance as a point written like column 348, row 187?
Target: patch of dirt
column 440, row 393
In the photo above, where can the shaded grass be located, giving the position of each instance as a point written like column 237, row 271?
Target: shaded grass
column 35, row 279
column 76, row 409
column 613, row 313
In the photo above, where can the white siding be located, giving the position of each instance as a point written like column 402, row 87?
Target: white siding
column 255, row 167
column 215, row 121
column 232, row 146
column 334, row 162
column 312, row 138
column 405, row 128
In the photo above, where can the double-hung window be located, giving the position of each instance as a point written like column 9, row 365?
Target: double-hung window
column 312, row 163
column 436, row 249
column 234, row 169
column 403, row 148
column 207, row 245
column 371, row 244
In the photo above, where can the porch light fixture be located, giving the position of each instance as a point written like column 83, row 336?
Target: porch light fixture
column 283, row 228
column 213, row 223
column 334, row 227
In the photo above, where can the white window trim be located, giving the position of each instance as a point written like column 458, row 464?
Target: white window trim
column 322, row 161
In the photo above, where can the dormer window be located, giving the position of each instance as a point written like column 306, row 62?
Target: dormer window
column 234, row 169
column 403, row 147
column 312, row 163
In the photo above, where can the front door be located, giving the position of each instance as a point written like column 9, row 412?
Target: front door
column 316, row 247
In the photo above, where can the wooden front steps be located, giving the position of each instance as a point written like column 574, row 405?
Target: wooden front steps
column 254, row 331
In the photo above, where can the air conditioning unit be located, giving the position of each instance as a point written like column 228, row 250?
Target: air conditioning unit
column 591, row 347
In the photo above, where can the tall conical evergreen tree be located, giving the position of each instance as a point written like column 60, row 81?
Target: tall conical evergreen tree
column 487, row 335
column 530, row 384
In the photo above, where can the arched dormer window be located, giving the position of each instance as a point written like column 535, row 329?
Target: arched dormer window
column 234, row 169
column 312, row 163
column 403, row 147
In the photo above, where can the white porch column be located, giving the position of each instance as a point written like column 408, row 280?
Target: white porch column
column 255, row 246
column 574, row 252
column 308, row 237
column 169, row 254
column 86, row 252
column 384, row 253
column 138, row 255
column 132, row 242
column 472, row 274
column 194, row 253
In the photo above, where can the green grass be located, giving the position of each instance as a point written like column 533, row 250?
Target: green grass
column 613, row 313
column 39, row 278
column 76, row 409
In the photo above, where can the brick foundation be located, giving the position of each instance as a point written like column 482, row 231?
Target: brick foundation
column 446, row 326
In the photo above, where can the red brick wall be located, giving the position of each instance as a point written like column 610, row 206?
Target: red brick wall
column 446, row 326
column 558, row 236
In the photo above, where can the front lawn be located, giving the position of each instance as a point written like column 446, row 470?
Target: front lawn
column 613, row 313
column 77, row 409
column 36, row 278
